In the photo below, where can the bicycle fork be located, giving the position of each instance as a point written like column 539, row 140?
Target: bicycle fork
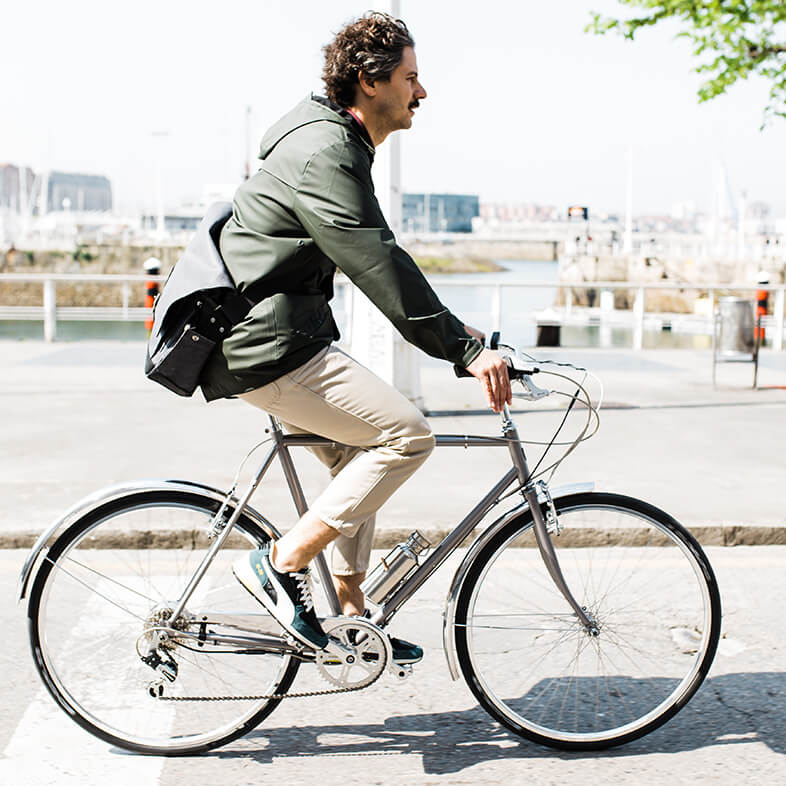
column 542, row 537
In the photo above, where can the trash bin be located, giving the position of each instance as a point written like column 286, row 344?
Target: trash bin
column 548, row 328
column 734, row 335
column 548, row 335
column 736, row 329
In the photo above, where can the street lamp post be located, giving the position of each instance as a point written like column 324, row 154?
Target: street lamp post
column 374, row 342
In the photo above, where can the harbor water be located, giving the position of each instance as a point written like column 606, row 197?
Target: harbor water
column 472, row 304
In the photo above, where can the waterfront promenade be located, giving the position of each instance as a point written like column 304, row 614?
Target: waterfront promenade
column 81, row 416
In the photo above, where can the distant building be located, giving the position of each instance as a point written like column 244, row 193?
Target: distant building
column 178, row 220
column 439, row 212
column 187, row 217
column 10, row 191
column 83, row 192
column 517, row 212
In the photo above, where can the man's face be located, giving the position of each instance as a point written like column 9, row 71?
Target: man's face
column 397, row 99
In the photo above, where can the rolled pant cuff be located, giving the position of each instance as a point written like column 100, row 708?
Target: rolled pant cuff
column 342, row 527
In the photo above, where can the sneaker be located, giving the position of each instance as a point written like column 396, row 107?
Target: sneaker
column 405, row 651
column 287, row 596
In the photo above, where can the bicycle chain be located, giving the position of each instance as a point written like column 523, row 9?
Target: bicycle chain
column 269, row 695
column 272, row 696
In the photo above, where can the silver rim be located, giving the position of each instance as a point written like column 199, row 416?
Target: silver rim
column 93, row 609
column 537, row 666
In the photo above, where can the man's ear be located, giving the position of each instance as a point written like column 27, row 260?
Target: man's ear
column 368, row 86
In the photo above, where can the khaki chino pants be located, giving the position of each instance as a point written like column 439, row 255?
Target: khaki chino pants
column 384, row 437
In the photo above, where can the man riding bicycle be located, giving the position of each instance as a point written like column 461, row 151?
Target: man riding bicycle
column 309, row 209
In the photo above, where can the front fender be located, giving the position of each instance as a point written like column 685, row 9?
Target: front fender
column 449, row 614
column 102, row 496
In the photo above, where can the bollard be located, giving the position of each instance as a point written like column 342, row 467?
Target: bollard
column 762, row 297
column 50, row 310
column 778, row 309
column 638, row 319
column 606, row 310
column 152, row 267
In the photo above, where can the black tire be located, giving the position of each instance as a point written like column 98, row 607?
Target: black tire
column 85, row 605
column 656, row 602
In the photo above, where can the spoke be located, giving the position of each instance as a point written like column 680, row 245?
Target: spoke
column 526, row 614
column 69, row 558
column 636, row 687
column 94, row 591
column 512, row 627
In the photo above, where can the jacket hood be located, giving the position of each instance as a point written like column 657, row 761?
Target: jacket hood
column 313, row 109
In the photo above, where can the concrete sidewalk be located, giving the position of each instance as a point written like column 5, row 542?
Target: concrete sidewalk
column 80, row 416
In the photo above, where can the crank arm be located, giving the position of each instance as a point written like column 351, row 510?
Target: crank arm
column 340, row 651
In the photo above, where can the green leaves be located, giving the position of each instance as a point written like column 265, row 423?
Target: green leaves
column 732, row 40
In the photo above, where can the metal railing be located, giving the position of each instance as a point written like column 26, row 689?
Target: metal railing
column 637, row 319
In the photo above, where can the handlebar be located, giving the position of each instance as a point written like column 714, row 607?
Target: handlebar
column 513, row 373
column 524, row 374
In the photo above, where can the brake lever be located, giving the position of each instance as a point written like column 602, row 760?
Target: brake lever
column 532, row 391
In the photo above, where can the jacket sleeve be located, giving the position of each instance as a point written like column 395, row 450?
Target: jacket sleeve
column 335, row 202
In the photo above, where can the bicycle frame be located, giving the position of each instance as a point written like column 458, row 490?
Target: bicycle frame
column 519, row 473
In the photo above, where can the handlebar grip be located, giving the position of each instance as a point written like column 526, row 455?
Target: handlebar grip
column 513, row 373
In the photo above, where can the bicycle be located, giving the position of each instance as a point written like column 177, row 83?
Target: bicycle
column 586, row 650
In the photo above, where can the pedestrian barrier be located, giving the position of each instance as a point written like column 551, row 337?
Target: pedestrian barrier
column 605, row 314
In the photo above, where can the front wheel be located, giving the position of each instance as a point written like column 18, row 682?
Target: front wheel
column 95, row 600
column 534, row 667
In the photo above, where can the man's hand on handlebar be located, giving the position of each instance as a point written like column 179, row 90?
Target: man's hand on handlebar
column 492, row 372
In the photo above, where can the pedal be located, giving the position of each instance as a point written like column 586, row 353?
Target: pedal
column 401, row 671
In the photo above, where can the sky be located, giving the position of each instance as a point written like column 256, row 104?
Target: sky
column 522, row 105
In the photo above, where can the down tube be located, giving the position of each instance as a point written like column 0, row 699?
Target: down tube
column 444, row 550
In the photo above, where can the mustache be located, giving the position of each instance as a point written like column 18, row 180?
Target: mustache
column 414, row 104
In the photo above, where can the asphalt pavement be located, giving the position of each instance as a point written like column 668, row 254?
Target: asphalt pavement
column 429, row 729
column 79, row 417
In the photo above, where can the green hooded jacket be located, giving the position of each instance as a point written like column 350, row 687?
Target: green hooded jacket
column 309, row 209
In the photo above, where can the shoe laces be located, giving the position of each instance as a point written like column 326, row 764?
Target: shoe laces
column 303, row 581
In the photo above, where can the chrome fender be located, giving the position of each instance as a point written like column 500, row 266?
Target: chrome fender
column 449, row 613
column 102, row 496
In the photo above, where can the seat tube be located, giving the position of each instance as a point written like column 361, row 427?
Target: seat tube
column 299, row 498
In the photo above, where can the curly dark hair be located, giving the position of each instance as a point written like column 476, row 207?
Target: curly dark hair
column 372, row 44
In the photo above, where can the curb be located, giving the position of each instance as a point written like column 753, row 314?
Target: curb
column 707, row 535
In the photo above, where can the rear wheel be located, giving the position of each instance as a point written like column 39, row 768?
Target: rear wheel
column 531, row 663
column 95, row 596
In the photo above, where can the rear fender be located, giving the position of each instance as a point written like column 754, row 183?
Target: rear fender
column 101, row 497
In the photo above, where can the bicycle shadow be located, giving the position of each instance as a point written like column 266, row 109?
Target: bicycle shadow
column 729, row 709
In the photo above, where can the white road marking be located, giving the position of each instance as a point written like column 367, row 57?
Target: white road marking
column 49, row 748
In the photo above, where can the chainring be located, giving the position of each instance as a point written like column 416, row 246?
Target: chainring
column 372, row 654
